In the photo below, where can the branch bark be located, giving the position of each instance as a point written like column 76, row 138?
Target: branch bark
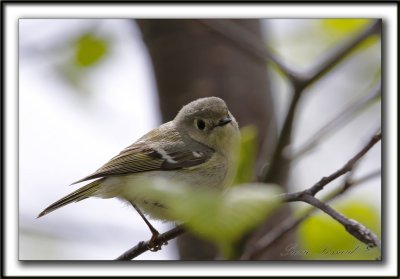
column 289, row 224
column 354, row 228
column 248, row 43
column 191, row 61
column 347, row 167
column 143, row 246
column 308, row 196
column 339, row 119
column 279, row 160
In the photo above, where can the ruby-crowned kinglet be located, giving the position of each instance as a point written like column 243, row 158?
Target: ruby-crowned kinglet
column 195, row 148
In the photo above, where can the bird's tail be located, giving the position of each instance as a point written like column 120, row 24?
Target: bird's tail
column 78, row 195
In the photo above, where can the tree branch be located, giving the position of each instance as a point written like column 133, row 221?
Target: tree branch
column 307, row 195
column 299, row 83
column 247, row 42
column 353, row 227
column 334, row 59
column 236, row 33
column 347, row 167
column 290, row 224
column 339, row 119
column 143, row 246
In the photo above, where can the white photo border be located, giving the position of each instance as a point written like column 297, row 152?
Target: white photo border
column 12, row 11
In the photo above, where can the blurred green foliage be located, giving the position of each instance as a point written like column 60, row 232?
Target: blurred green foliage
column 83, row 52
column 246, row 155
column 342, row 28
column 345, row 26
column 219, row 216
column 322, row 238
column 89, row 49
column 222, row 217
column 301, row 49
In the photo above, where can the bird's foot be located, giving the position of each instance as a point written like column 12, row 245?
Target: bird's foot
column 152, row 245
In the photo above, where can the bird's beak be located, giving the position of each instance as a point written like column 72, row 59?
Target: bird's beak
column 224, row 121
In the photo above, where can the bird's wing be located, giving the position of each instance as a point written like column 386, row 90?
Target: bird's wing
column 144, row 155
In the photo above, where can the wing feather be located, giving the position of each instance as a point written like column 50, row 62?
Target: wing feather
column 169, row 153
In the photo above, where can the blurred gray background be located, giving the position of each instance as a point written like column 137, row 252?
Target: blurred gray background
column 75, row 114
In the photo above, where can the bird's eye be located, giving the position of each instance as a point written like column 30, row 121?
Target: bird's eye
column 200, row 124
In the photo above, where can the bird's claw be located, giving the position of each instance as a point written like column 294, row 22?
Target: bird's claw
column 152, row 245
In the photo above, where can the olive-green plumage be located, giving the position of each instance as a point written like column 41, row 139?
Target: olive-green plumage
column 195, row 148
column 78, row 195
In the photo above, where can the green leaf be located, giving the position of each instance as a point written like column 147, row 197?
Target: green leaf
column 90, row 49
column 222, row 217
column 247, row 155
column 341, row 28
column 325, row 239
column 345, row 26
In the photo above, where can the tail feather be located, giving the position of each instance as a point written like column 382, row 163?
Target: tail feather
column 78, row 195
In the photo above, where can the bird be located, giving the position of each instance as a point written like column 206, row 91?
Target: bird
column 195, row 148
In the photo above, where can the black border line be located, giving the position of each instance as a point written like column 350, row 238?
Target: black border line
column 150, row 2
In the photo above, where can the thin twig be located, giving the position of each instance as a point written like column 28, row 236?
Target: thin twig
column 350, row 183
column 346, row 168
column 236, row 33
column 334, row 124
column 307, row 195
column 343, row 51
column 247, row 42
column 279, row 160
column 290, row 223
column 143, row 246
column 359, row 231
column 353, row 227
